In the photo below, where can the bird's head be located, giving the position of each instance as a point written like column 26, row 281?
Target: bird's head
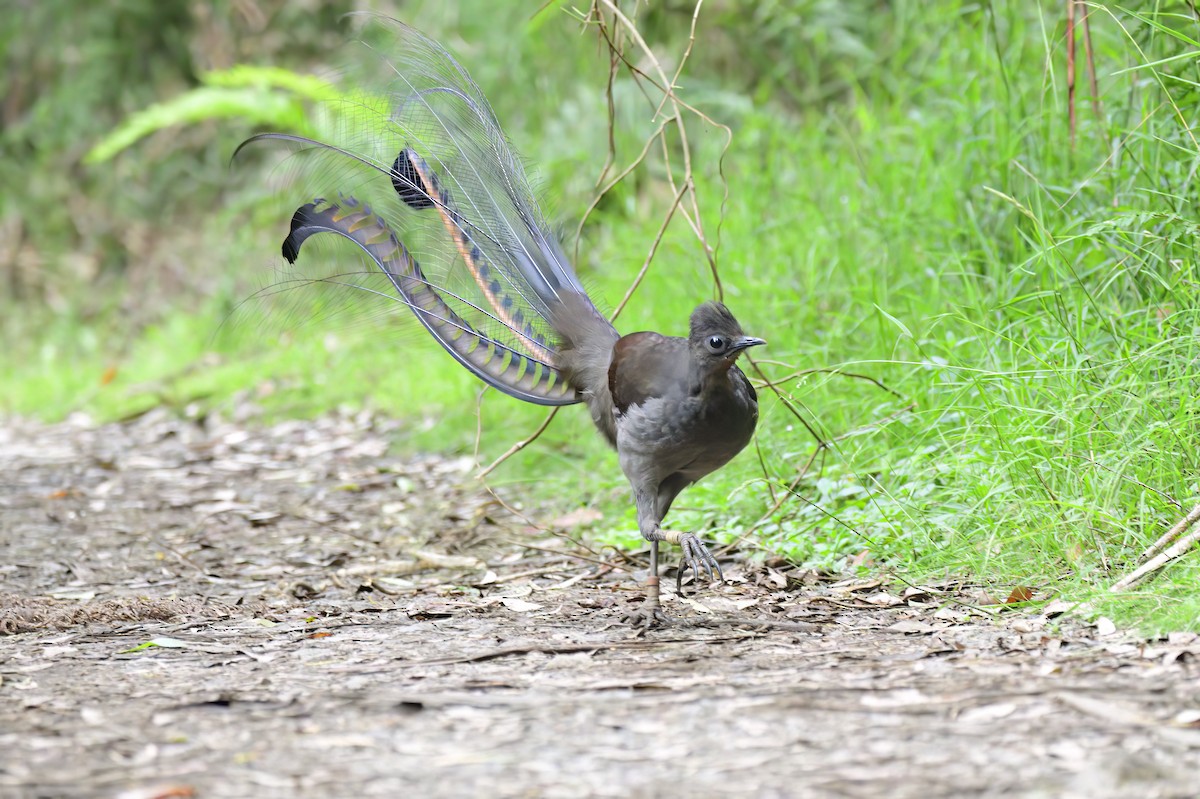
column 716, row 337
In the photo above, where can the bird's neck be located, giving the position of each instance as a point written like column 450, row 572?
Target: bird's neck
column 708, row 377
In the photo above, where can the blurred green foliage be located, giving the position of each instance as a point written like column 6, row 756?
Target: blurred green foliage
column 74, row 72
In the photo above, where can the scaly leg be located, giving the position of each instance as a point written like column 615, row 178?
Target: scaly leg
column 650, row 613
column 653, row 605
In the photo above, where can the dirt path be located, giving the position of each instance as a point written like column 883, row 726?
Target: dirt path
column 221, row 610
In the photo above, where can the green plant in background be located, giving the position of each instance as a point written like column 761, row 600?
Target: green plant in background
column 268, row 96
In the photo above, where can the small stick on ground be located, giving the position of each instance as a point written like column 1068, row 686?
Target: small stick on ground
column 1179, row 529
column 1165, row 555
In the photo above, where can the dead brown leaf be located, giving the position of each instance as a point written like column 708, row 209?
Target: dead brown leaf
column 1019, row 594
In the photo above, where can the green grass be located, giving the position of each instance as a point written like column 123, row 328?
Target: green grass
column 930, row 227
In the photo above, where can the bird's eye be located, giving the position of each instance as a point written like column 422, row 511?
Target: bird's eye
column 716, row 344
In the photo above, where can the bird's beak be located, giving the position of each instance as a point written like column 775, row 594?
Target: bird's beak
column 745, row 342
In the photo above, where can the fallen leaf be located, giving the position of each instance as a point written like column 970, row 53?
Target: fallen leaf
column 165, row 642
column 854, row 584
column 1058, row 607
column 861, row 559
column 1021, row 593
column 1186, row 718
column 953, row 614
column 883, row 600
column 438, row 560
column 893, row 698
column 427, row 611
column 911, row 626
column 695, row 604
column 1105, row 627
column 987, row 713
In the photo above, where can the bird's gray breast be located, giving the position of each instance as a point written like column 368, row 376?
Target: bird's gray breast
column 689, row 434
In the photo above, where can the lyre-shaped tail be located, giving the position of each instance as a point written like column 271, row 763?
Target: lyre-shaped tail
column 528, row 376
column 415, row 137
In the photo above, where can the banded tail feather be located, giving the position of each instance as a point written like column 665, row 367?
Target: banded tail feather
column 417, row 185
column 519, row 374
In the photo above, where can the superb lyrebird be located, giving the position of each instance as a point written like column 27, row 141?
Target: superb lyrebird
column 423, row 168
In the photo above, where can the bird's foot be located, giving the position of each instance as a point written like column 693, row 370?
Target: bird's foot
column 695, row 555
column 646, row 617
column 650, row 614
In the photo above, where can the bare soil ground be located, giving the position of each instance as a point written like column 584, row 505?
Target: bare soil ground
column 218, row 610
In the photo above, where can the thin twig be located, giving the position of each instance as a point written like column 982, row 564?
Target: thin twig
column 778, row 503
column 637, row 281
column 597, row 560
column 624, row 173
column 520, row 445
column 721, row 622
column 611, row 107
column 1166, row 556
column 1071, row 70
column 614, row 37
column 1089, row 52
column 762, row 465
column 559, row 649
column 1133, row 480
column 668, row 89
column 786, row 402
column 542, row 528
column 538, row 572
column 831, row 370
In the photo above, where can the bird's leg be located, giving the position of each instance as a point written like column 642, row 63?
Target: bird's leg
column 653, row 605
column 651, row 612
column 695, row 555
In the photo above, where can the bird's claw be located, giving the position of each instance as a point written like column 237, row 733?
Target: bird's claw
column 695, row 554
column 646, row 617
column 650, row 614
